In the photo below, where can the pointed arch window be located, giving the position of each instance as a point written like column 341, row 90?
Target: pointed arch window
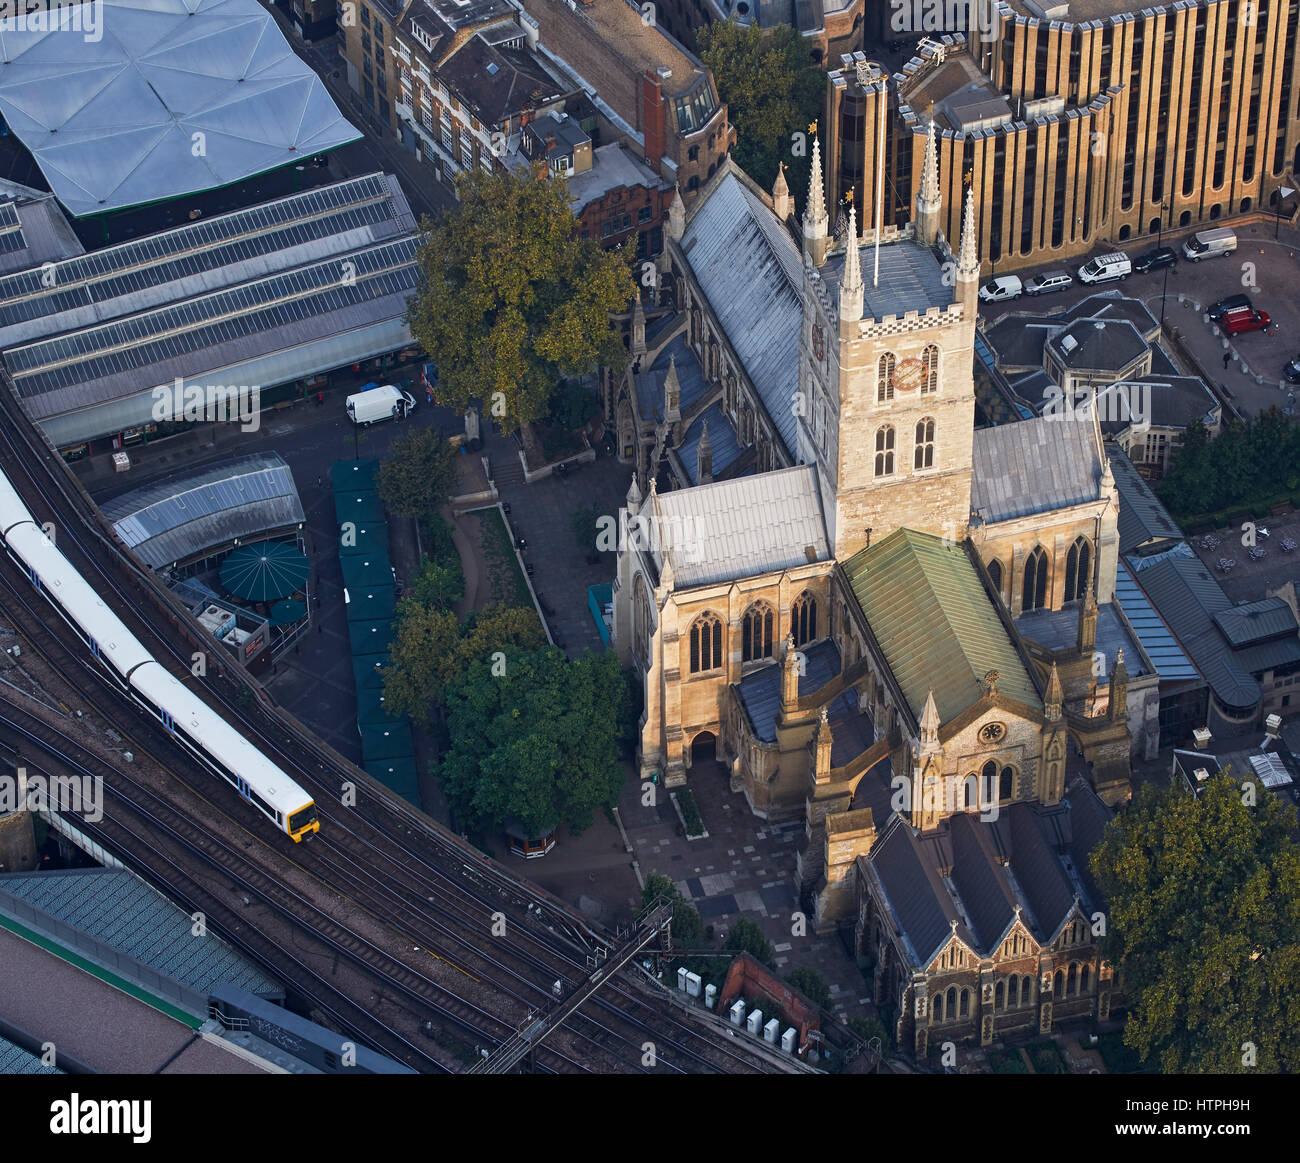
column 885, row 451
column 1006, row 784
column 995, row 574
column 641, row 622
column 924, row 456
column 756, row 632
column 885, row 377
column 970, row 793
column 803, row 619
column 1078, row 569
column 706, row 643
column 989, row 782
column 930, row 358
column 1035, row 596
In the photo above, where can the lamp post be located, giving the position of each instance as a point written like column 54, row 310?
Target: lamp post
column 1160, row 223
column 1163, row 292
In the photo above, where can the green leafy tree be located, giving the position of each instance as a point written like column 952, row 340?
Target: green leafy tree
column 812, row 985
column 772, row 90
column 511, row 300
column 587, row 529
column 424, row 638
column 1204, row 925
column 438, row 585
column 571, row 405
column 417, row 475
column 746, row 937
column 532, row 737
column 688, row 928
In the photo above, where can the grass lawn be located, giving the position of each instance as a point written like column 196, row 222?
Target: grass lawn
column 507, row 579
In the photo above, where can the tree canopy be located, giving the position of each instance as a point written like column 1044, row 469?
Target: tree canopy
column 1204, row 925
column 533, row 737
column 417, row 475
column 688, row 928
column 746, row 937
column 772, row 90
column 511, row 300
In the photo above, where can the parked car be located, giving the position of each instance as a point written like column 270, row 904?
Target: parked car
column 1106, row 267
column 1002, row 288
column 1292, row 371
column 1244, row 319
column 1154, row 260
column 1210, row 244
column 1231, row 303
column 1048, row 282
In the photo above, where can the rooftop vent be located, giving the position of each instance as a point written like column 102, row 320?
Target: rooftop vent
column 1068, row 344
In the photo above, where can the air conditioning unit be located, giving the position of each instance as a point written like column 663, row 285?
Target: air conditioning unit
column 755, row 1021
column 737, row 1012
column 771, row 1030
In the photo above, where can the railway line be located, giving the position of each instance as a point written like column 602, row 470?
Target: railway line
column 382, row 859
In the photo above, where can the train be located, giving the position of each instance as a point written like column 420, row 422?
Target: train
column 140, row 676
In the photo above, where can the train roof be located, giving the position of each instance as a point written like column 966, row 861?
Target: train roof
column 12, row 510
column 219, row 739
column 79, row 601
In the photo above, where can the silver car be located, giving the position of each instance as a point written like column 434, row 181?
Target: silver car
column 1050, row 281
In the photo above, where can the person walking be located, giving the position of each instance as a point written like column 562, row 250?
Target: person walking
column 1227, row 359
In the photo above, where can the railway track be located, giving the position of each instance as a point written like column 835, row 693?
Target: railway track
column 393, row 863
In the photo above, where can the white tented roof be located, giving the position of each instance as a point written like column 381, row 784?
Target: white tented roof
column 110, row 107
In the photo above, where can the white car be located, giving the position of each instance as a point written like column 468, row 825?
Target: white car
column 1002, row 288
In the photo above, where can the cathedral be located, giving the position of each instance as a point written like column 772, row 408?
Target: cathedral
column 877, row 618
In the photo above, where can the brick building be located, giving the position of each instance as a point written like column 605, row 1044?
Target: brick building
column 828, row 27
column 1082, row 123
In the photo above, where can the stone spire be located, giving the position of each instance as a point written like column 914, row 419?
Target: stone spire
column 816, row 227
column 782, row 199
column 790, row 675
column 638, row 326
column 633, row 498
column 1054, row 697
column 851, row 284
column 968, row 262
column 676, row 215
column 929, row 201
column 1087, row 637
column 1118, row 710
column 672, row 393
column 704, row 458
column 929, row 725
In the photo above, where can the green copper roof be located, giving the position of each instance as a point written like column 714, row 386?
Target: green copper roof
column 937, row 627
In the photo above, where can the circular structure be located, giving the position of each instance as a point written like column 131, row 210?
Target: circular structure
column 908, row 375
column 992, row 732
column 264, row 572
column 819, row 343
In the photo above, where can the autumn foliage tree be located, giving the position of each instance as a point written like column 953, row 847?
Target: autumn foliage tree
column 511, row 300
column 417, row 475
column 1204, row 925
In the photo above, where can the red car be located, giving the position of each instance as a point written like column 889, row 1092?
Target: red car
column 1244, row 319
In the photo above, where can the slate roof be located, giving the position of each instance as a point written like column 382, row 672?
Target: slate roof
column 1033, row 466
column 1171, row 664
column 722, row 439
column 751, row 272
column 1168, row 401
column 1017, row 340
column 1104, row 345
column 911, row 279
column 1057, row 629
column 498, row 82
column 934, row 622
column 1113, row 304
column 181, row 517
column 690, row 379
column 739, row 528
column 1143, row 520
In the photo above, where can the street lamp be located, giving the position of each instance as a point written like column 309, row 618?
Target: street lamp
column 1160, row 223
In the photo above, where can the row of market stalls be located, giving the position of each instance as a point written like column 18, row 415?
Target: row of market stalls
column 370, row 593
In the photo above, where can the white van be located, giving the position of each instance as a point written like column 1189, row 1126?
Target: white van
column 1210, row 244
column 379, row 404
column 1105, row 268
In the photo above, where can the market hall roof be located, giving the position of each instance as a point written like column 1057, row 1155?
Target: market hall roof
column 160, row 99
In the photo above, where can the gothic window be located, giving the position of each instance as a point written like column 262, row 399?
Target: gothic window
column 1013, row 992
column 1084, row 979
column 952, row 1002
column 885, row 451
column 970, row 792
column 757, row 632
column 706, row 643
column 989, row 782
column 936, row 1008
column 930, row 357
column 1078, row 568
column 965, row 1003
column 1035, row 596
column 1000, row 996
column 995, row 574
column 885, row 378
column 1006, row 783
column 641, row 623
column 1072, row 980
column 1058, row 983
column 803, row 619
column 924, row 457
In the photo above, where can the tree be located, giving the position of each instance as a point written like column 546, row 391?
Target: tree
column 1204, row 924
column 812, row 985
column 746, row 937
column 438, row 585
column 511, row 300
column 688, row 928
column 417, row 475
column 532, row 738
column 571, row 405
column 772, row 90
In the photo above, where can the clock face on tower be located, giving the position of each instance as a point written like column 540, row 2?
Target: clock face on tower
column 909, row 375
column 819, row 342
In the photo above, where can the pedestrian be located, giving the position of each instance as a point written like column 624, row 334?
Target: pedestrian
column 320, row 398
column 1227, row 359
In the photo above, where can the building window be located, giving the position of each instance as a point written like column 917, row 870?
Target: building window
column 643, row 215
column 1078, row 569
column 924, row 457
column 1035, row 596
column 930, row 357
column 367, row 68
column 706, row 643
column 885, row 451
column 466, row 149
column 693, row 154
column 995, row 574
column 378, row 30
column 365, row 16
column 365, row 43
column 885, row 379
column 1006, row 784
column 757, row 632
column 803, row 619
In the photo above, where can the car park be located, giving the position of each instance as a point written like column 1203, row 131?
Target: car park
column 1217, row 310
column 1154, row 260
column 1244, row 319
column 1106, row 268
column 1048, row 282
column 1002, row 288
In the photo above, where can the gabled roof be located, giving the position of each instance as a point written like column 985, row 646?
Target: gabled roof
column 1255, row 622
column 1143, row 520
column 1034, row 466
column 1171, row 664
column 741, row 528
column 751, row 272
column 935, row 623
